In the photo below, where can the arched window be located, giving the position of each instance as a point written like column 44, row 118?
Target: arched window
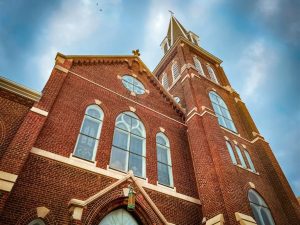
column 37, row 222
column 249, row 160
column 198, row 66
column 241, row 158
column 177, row 99
column 88, row 138
column 221, row 111
column 231, row 153
column 261, row 211
column 212, row 74
column 132, row 84
column 175, row 71
column 164, row 165
column 165, row 82
column 129, row 145
column 118, row 217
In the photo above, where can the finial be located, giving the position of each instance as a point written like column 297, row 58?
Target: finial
column 172, row 14
column 136, row 52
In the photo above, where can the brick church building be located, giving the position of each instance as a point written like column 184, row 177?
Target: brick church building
column 108, row 142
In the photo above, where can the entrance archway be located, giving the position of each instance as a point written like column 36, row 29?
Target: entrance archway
column 118, row 217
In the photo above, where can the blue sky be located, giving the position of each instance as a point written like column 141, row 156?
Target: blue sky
column 258, row 40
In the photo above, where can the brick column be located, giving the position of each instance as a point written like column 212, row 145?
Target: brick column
column 278, row 181
column 16, row 154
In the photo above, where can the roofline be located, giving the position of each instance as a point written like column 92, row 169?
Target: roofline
column 201, row 50
column 19, row 89
column 93, row 56
column 126, row 56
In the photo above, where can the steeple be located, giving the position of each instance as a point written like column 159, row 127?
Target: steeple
column 176, row 30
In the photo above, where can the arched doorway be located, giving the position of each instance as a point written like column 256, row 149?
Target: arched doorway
column 118, row 217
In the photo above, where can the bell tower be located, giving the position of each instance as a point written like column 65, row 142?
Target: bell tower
column 215, row 116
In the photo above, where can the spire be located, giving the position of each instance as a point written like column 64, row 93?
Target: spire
column 176, row 30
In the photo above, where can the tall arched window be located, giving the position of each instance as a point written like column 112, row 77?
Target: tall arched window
column 129, row 145
column 260, row 209
column 175, row 71
column 249, row 160
column 37, row 222
column 198, row 66
column 164, row 164
column 165, row 82
column 221, row 111
column 212, row 74
column 88, row 138
column 231, row 153
column 240, row 155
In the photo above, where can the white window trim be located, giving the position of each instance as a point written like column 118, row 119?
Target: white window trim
column 214, row 78
column 98, row 135
column 179, row 74
column 201, row 72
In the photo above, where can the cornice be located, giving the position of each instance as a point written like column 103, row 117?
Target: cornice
column 19, row 89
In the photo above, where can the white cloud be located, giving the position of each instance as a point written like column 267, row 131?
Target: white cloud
column 256, row 65
column 70, row 27
column 268, row 8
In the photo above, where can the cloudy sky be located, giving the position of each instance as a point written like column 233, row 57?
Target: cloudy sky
column 258, row 40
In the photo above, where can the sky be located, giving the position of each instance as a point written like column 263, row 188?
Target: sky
column 258, row 41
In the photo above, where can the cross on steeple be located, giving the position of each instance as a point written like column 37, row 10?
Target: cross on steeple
column 172, row 13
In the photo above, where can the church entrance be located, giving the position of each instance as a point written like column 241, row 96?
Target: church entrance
column 118, row 217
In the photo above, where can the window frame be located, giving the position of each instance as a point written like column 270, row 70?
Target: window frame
column 231, row 153
column 258, row 206
column 38, row 221
column 217, row 107
column 97, row 136
column 241, row 157
column 200, row 69
column 212, row 74
column 175, row 64
column 140, row 85
column 165, row 81
column 169, row 160
column 128, row 150
column 249, row 160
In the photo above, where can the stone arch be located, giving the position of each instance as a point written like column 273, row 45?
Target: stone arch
column 96, row 211
column 37, row 213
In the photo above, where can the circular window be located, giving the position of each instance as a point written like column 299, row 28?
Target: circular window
column 133, row 84
column 177, row 99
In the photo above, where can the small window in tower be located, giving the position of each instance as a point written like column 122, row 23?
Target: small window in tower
column 175, row 71
column 132, row 84
column 37, row 222
column 177, row 99
column 249, row 160
column 221, row 111
column 240, row 155
column 212, row 74
column 231, row 153
column 166, row 47
column 165, row 82
column 198, row 66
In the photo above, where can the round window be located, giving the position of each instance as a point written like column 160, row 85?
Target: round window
column 133, row 84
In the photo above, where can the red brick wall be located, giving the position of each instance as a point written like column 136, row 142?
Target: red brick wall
column 12, row 114
column 52, row 184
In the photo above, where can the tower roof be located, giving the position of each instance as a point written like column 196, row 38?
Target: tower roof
column 175, row 30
